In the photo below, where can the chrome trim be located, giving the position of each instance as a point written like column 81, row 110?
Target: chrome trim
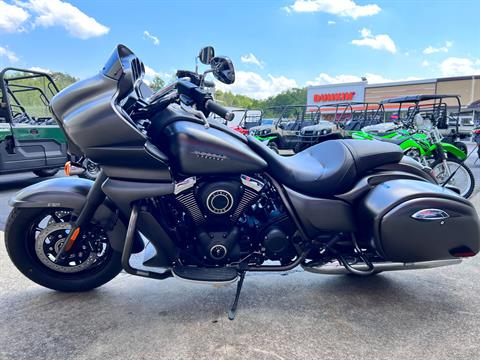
column 214, row 194
column 184, row 185
column 252, row 183
column 430, row 214
column 335, row 268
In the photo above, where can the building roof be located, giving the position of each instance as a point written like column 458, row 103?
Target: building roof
column 415, row 98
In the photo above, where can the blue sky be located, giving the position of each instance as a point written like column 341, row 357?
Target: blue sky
column 275, row 45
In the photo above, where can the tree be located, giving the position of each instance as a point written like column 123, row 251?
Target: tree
column 289, row 97
column 157, row 83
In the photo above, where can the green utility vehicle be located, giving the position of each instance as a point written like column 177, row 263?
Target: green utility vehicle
column 30, row 140
column 280, row 126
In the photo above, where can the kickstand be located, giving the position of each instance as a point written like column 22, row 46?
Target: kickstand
column 233, row 309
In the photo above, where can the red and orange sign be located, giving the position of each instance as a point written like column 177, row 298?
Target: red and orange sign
column 341, row 96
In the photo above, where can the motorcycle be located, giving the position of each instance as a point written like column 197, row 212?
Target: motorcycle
column 205, row 203
column 425, row 144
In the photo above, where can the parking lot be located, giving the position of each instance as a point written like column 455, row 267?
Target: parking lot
column 425, row 314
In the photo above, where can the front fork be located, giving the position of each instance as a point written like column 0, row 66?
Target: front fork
column 94, row 198
column 441, row 154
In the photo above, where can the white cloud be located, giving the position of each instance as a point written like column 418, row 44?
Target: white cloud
column 50, row 13
column 38, row 68
column 252, row 59
column 10, row 55
column 378, row 42
column 455, row 66
column 323, row 79
column 254, row 85
column 425, row 63
column 343, row 8
column 432, row 50
column 155, row 40
column 12, row 17
column 331, row 22
column 150, row 73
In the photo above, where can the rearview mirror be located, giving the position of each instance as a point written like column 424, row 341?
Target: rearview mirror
column 223, row 70
column 206, row 55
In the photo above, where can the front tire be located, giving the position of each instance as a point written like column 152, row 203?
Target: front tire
column 463, row 180
column 23, row 229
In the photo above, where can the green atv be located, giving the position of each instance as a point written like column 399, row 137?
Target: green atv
column 30, row 139
column 420, row 138
column 280, row 126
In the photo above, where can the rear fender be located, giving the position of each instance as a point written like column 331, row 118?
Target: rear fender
column 72, row 193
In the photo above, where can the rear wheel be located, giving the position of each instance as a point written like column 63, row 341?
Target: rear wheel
column 46, row 172
column 463, row 179
column 33, row 238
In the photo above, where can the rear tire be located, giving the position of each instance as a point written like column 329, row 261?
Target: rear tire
column 453, row 164
column 20, row 244
column 46, row 172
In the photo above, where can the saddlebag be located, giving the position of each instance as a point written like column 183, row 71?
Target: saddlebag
column 410, row 220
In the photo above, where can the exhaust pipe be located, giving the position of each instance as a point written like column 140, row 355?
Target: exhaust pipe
column 336, row 268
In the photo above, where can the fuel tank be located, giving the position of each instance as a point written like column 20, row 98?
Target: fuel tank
column 196, row 150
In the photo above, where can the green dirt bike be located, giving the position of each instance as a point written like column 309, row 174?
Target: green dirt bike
column 426, row 146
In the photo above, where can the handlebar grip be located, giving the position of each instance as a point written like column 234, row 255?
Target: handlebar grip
column 218, row 109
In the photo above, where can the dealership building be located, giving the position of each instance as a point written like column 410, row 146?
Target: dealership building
column 467, row 87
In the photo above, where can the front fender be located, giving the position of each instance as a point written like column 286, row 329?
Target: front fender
column 59, row 192
column 455, row 151
column 71, row 193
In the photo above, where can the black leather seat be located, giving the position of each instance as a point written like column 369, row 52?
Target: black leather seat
column 328, row 168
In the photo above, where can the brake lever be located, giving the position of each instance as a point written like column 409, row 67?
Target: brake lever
column 195, row 112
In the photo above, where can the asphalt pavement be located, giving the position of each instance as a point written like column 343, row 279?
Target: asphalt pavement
column 419, row 314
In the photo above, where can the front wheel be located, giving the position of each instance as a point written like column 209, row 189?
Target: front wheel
column 33, row 237
column 462, row 180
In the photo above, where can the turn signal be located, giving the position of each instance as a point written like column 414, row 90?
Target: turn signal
column 73, row 169
column 67, row 168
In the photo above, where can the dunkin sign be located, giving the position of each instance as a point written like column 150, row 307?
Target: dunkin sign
column 339, row 93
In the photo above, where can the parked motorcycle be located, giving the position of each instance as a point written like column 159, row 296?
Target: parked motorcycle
column 207, row 204
column 420, row 138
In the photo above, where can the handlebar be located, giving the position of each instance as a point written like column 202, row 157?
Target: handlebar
column 218, row 109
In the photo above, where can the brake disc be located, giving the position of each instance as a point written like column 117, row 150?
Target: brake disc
column 49, row 242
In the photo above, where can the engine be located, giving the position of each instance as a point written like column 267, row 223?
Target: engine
column 218, row 221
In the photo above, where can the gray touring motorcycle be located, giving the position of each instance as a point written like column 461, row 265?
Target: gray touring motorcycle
column 205, row 203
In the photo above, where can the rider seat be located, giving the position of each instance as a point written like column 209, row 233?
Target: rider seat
column 328, row 168
column 396, row 141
